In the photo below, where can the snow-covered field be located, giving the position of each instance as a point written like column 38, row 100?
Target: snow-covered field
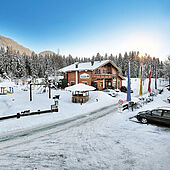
column 107, row 141
column 19, row 101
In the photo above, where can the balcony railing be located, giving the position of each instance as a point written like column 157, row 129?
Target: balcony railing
column 105, row 75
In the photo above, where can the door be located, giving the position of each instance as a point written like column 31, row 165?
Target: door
column 94, row 84
column 157, row 116
column 166, row 117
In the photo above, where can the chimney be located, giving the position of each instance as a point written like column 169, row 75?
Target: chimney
column 92, row 62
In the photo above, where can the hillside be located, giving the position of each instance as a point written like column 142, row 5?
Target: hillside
column 4, row 42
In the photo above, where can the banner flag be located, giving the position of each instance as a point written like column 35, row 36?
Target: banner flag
column 149, row 85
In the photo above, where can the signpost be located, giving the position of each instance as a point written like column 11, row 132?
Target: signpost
column 120, row 105
column 56, row 101
column 120, row 102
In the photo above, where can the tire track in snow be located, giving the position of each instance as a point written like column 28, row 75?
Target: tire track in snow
column 16, row 138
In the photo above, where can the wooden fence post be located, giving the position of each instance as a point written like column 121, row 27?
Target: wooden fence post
column 30, row 92
column 49, row 91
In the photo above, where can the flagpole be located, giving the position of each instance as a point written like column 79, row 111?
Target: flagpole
column 128, row 85
column 155, row 78
column 141, row 81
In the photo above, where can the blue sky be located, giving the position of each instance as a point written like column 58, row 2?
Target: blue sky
column 84, row 27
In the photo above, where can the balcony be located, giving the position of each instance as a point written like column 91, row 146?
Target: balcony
column 104, row 76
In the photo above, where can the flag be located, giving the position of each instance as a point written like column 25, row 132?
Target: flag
column 155, row 79
column 141, row 82
column 149, row 85
column 128, row 86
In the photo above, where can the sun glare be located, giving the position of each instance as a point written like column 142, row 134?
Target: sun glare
column 144, row 43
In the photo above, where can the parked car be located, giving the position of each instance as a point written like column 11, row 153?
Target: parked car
column 152, row 94
column 110, row 92
column 124, row 89
column 157, row 116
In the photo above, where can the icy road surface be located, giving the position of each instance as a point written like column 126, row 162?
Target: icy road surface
column 105, row 142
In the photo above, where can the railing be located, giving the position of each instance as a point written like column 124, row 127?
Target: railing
column 105, row 75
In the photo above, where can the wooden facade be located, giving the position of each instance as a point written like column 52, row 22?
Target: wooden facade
column 105, row 76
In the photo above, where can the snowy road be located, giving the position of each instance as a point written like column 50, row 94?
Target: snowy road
column 107, row 140
column 18, row 137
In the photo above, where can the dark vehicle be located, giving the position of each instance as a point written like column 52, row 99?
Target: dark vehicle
column 156, row 116
column 124, row 89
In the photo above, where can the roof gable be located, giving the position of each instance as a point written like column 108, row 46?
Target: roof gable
column 112, row 63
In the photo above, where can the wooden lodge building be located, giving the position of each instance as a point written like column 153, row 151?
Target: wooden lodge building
column 100, row 74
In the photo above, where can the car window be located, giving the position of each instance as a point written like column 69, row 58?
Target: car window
column 157, row 112
column 166, row 113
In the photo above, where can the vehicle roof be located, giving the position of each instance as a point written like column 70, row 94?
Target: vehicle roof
column 164, row 108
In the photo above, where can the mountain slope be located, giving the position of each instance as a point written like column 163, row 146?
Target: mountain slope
column 4, row 42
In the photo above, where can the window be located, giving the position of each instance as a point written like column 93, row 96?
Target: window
column 84, row 82
column 114, row 82
column 118, row 84
column 104, row 70
column 98, row 71
column 157, row 112
column 166, row 113
column 109, row 83
column 101, row 83
column 72, row 83
column 94, row 84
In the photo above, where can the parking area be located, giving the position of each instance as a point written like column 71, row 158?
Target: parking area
column 109, row 142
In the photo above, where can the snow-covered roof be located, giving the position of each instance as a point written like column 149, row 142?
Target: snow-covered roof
column 80, row 87
column 7, row 83
column 164, row 108
column 121, row 77
column 87, row 66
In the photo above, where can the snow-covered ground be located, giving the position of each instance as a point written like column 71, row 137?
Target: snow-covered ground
column 19, row 101
column 109, row 142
